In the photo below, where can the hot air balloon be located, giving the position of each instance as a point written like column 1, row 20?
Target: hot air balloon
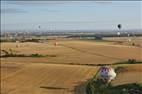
column 39, row 26
column 118, row 33
column 107, row 74
column 119, row 26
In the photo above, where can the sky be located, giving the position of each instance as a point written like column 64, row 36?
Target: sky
column 70, row 15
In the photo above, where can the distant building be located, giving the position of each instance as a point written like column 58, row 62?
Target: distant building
column 98, row 37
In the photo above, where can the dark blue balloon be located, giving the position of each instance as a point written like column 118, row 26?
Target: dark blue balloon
column 119, row 26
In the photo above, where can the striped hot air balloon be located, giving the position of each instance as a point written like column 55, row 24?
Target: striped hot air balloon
column 107, row 74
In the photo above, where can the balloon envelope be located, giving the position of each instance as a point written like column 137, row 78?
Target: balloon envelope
column 119, row 26
column 107, row 73
column 118, row 33
column 38, row 26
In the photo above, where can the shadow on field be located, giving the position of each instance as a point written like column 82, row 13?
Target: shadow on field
column 80, row 88
column 46, row 87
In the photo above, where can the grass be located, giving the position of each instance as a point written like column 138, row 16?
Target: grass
column 98, row 87
column 22, row 55
column 130, row 61
column 116, row 65
column 21, row 40
column 7, row 40
column 96, row 40
column 11, row 53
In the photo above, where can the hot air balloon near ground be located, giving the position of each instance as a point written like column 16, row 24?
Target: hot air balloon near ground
column 107, row 74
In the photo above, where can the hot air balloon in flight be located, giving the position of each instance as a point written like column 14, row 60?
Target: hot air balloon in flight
column 119, row 27
column 39, row 26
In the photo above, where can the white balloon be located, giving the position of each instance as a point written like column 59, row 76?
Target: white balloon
column 107, row 73
column 128, row 35
column 118, row 33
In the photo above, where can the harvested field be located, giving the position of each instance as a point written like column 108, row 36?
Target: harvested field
column 129, row 74
column 62, row 74
column 78, row 52
column 135, row 41
column 45, row 78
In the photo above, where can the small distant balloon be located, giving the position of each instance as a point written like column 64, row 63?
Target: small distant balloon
column 118, row 33
column 128, row 35
column 39, row 26
column 55, row 43
column 119, row 26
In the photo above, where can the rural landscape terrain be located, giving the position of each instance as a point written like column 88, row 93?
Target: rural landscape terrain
column 65, row 65
column 71, row 47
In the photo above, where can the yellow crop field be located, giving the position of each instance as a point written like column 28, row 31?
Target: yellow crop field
column 62, row 70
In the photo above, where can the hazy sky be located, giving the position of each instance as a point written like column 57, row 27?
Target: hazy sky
column 70, row 15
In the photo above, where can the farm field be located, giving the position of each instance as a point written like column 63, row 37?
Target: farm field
column 45, row 79
column 65, row 72
column 130, row 74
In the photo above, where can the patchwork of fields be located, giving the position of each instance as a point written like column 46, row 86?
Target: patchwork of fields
column 65, row 73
